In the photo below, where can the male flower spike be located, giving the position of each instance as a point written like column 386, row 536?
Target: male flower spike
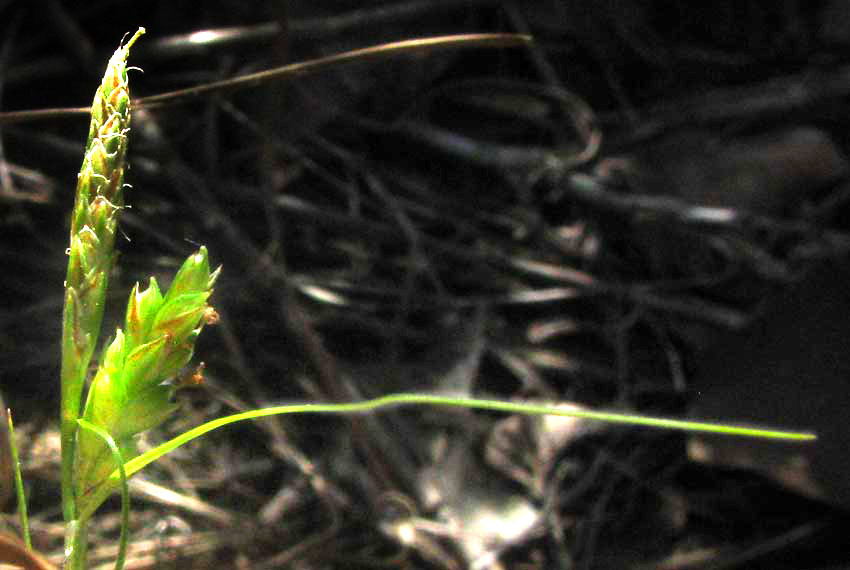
column 94, row 223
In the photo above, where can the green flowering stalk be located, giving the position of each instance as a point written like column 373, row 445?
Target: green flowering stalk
column 129, row 394
column 94, row 222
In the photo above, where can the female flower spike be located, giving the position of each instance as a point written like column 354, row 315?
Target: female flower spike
column 94, row 222
column 129, row 393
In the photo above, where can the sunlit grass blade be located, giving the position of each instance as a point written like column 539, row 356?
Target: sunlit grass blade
column 19, row 483
column 138, row 463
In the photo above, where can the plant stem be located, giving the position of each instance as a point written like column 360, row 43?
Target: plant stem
column 71, row 393
column 76, row 545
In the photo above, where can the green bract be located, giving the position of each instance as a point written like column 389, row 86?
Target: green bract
column 129, row 393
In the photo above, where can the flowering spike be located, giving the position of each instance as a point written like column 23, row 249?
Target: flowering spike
column 129, row 393
column 98, row 203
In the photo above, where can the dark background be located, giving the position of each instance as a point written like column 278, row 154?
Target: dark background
column 643, row 210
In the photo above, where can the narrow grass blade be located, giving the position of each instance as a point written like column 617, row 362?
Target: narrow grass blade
column 87, row 507
column 377, row 52
column 292, row 71
column 19, row 483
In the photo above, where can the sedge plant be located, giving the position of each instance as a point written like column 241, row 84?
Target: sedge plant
column 132, row 388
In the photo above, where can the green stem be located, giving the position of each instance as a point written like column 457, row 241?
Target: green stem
column 89, row 503
column 75, row 359
column 68, row 434
column 68, row 431
column 76, row 545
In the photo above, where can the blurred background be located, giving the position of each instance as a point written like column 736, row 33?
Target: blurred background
column 644, row 210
